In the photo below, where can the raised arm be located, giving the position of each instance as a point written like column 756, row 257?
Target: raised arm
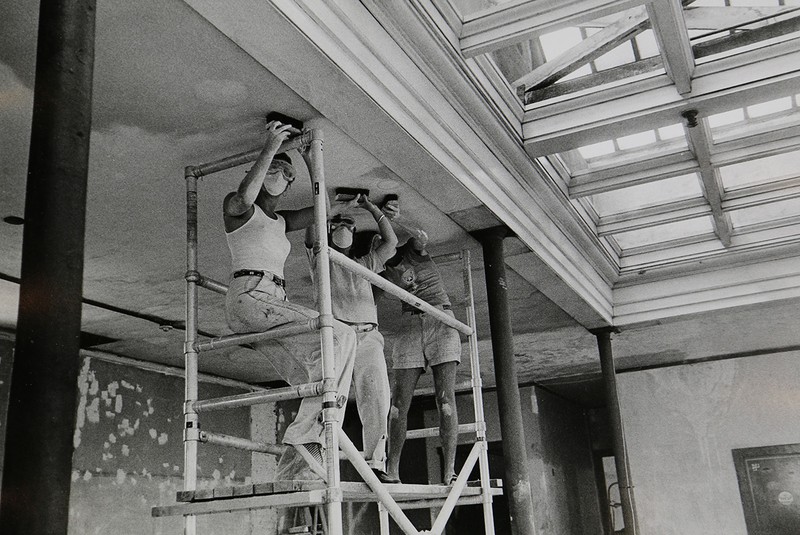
column 383, row 217
column 409, row 232
column 241, row 201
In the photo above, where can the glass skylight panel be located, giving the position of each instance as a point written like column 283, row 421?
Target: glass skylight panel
column 577, row 73
column 641, row 196
column 597, row 149
column 618, row 56
column 665, row 233
column 672, row 131
column 556, row 43
column 760, row 171
column 726, row 118
column 765, row 213
column 768, row 108
column 647, row 44
column 636, row 140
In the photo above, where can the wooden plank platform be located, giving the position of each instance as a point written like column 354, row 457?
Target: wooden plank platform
column 298, row 493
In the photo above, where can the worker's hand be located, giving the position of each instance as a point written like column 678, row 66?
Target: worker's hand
column 340, row 207
column 365, row 203
column 420, row 240
column 276, row 134
column 391, row 209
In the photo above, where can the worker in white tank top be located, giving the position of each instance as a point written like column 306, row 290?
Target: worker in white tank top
column 256, row 299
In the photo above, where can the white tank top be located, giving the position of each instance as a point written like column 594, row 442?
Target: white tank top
column 260, row 243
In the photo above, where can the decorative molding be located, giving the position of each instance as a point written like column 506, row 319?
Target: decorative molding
column 705, row 292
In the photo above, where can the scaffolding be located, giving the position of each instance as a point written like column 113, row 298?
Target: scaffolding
column 330, row 492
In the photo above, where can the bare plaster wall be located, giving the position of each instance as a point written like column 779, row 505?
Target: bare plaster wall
column 129, row 453
column 681, row 424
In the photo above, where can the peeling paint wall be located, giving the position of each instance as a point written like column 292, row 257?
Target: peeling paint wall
column 129, row 452
column 681, row 424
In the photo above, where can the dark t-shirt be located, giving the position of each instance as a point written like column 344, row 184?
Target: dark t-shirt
column 418, row 274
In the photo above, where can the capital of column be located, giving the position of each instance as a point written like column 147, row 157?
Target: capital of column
column 498, row 232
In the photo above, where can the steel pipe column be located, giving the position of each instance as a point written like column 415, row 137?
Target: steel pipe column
column 516, row 483
column 41, row 414
column 618, row 434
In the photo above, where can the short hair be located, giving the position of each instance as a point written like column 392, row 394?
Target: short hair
column 284, row 157
column 338, row 218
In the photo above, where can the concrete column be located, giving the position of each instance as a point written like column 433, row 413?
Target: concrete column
column 617, row 430
column 41, row 415
column 517, row 486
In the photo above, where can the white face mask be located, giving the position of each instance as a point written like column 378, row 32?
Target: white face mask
column 342, row 237
column 275, row 184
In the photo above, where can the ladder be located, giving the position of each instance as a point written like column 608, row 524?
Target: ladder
column 330, row 493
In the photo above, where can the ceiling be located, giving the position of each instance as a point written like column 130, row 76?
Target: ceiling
column 539, row 115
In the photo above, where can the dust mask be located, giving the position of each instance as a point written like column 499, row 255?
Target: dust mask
column 275, row 184
column 342, row 237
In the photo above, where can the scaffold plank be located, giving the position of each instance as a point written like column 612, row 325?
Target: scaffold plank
column 352, row 491
column 299, row 493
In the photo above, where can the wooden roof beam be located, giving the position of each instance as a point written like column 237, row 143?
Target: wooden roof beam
column 710, row 18
column 505, row 25
column 669, row 26
column 769, row 72
column 700, row 143
column 631, row 24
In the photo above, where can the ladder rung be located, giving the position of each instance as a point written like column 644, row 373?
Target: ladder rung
column 283, row 331
column 240, row 443
column 434, row 431
column 306, row 390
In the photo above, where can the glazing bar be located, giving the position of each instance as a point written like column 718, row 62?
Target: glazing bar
column 283, row 331
column 401, row 294
column 305, row 390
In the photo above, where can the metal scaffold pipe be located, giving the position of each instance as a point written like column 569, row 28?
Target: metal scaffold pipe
column 401, row 294
column 330, row 410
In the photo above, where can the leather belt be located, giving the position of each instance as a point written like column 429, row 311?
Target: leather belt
column 258, row 273
column 416, row 311
column 362, row 327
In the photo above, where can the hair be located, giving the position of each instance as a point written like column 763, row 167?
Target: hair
column 283, row 156
column 338, row 218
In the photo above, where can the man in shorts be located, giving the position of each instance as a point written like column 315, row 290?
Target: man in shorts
column 423, row 342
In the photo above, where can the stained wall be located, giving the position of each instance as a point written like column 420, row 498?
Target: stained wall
column 681, row 424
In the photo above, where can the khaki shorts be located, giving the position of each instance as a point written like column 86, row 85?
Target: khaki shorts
column 426, row 341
